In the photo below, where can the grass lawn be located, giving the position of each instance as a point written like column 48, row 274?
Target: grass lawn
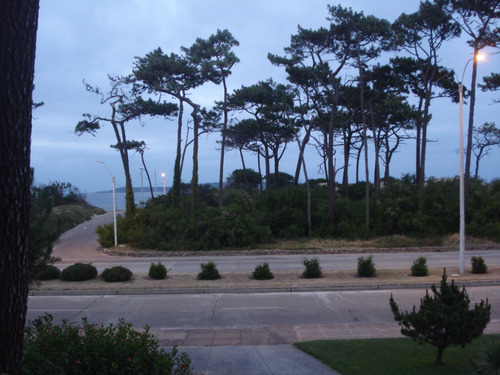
column 400, row 356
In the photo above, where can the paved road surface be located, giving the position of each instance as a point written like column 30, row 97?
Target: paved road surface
column 80, row 245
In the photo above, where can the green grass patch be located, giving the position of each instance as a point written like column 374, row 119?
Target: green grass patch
column 401, row 356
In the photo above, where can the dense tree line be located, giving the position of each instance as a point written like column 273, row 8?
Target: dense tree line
column 250, row 217
column 359, row 86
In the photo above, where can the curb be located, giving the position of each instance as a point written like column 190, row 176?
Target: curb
column 287, row 289
column 365, row 250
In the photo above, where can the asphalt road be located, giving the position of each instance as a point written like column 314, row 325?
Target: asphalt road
column 80, row 245
column 352, row 310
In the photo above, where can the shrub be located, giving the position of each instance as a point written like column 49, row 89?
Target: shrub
column 489, row 359
column 78, row 272
column 48, row 272
column 478, row 265
column 262, row 272
column 444, row 319
column 209, row 272
column 157, row 271
column 92, row 349
column 419, row 267
column 366, row 267
column 116, row 274
column 313, row 269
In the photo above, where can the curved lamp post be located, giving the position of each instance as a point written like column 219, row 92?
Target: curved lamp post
column 478, row 57
column 114, row 201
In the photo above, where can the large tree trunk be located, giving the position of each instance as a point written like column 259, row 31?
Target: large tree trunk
column 18, row 25
column 194, row 178
column 329, row 155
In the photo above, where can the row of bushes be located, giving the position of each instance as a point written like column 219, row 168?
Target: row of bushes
column 209, row 271
column 250, row 218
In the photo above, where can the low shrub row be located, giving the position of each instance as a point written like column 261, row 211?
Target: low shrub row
column 209, row 271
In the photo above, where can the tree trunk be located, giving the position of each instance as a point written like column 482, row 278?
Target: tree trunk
column 147, row 174
column 468, row 151
column 176, row 185
column 376, row 170
column 194, row 178
column 329, row 155
column 347, row 151
column 439, row 357
column 223, row 145
column 18, row 25
column 418, row 128
column 365, row 141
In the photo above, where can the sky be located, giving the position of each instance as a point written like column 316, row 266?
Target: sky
column 87, row 40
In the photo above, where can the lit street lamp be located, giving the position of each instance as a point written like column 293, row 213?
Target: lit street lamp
column 114, row 200
column 478, row 57
column 163, row 175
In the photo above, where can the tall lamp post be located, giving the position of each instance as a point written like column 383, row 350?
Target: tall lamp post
column 114, row 201
column 163, row 175
column 478, row 57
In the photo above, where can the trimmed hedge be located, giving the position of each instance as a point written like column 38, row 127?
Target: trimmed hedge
column 78, row 272
column 116, row 274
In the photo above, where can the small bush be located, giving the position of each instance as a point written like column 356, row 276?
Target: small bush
column 419, row 267
column 88, row 348
column 262, row 272
column 209, row 272
column 366, row 267
column 48, row 272
column 488, row 361
column 116, row 274
column 478, row 265
column 157, row 271
column 313, row 269
column 78, row 272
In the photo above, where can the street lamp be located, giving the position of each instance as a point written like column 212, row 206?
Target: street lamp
column 114, row 200
column 163, row 177
column 478, row 57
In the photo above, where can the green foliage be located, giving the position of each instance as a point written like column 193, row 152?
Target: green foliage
column 419, row 267
column 78, row 272
column 444, row 319
column 157, row 271
column 87, row 348
column 244, row 179
column 262, row 272
column 48, row 272
column 488, row 359
column 116, row 274
column 478, row 265
column 209, row 272
column 313, row 269
column 366, row 267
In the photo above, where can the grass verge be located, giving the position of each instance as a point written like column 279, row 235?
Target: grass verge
column 400, row 356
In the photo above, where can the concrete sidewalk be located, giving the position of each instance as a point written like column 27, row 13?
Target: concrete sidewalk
column 253, row 360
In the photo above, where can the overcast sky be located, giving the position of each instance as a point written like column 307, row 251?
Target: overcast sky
column 81, row 39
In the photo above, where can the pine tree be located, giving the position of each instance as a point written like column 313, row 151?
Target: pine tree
column 444, row 319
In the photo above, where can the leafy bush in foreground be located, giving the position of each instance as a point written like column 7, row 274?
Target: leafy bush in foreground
column 262, row 272
column 116, row 274
column 209, row 272
column 488, row 361
column 88, row 348
column 313, row 269
column 157, row 271
column 419, row 267
column 78, row 272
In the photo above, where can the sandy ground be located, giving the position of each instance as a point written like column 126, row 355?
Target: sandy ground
column 292, row 279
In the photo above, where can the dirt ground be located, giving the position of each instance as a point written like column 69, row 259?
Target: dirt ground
column 331, row 280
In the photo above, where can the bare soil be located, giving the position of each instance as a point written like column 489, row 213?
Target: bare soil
column 292, row 279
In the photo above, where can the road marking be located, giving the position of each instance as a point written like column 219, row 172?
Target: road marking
column 254, row 308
